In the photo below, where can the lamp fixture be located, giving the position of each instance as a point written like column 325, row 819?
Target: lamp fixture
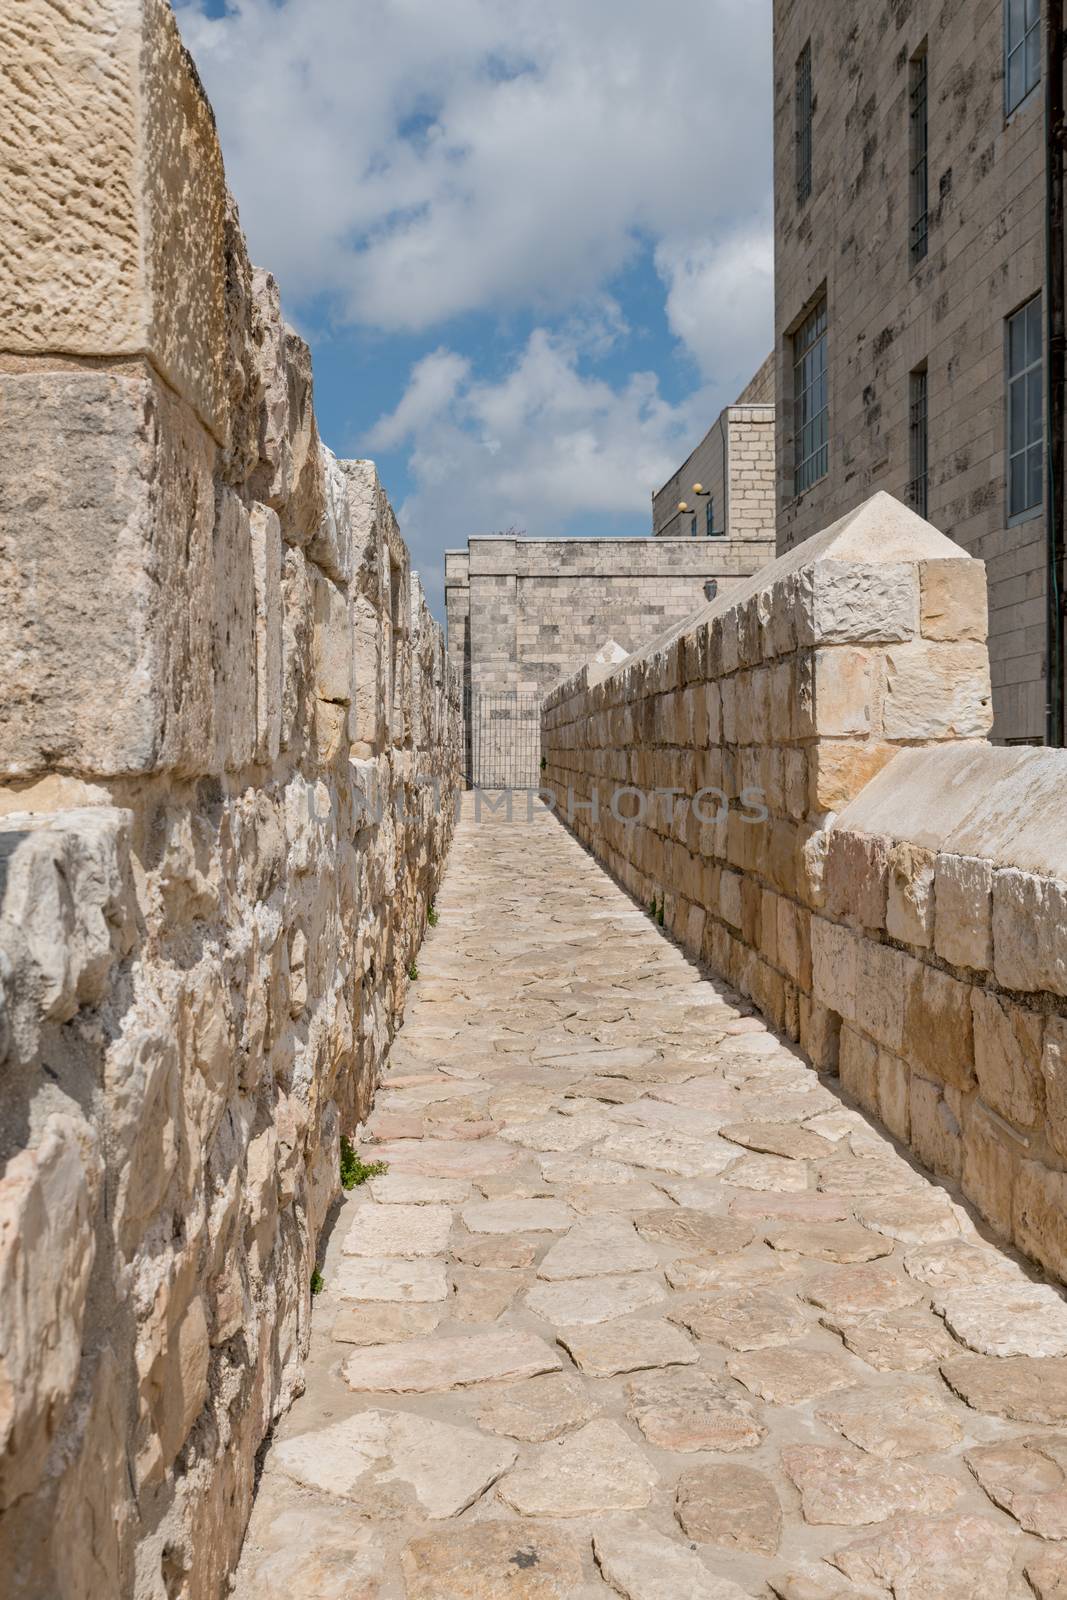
column 700, row 491
column 682, row 506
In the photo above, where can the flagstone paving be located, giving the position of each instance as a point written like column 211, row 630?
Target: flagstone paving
column 643, row 1307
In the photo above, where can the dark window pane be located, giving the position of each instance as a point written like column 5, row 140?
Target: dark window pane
column 1034, row 406
column 1016, row 69
column 1016, row 21
column 1036, row 485
column 1017, row 486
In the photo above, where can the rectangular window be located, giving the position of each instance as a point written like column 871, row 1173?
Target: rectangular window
column 811, row 414
column 805, row 110
column 920, row 192
column 709, row 517
column 918, row 442
column 693, row 526
column 1026, row 408
column 1022, row 50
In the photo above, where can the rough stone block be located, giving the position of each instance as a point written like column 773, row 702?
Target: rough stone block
column 843, row 692
column 289, row 477
column 856, row 877
column 1029, row 916
column 236, row 634
column 267, row 573
column 47, row 1200
column 910, row 909
column 954, row 603
column 839, row 769
column 938, row 1026
column 936, row 1135
column 1039, row 1216
column 937, row 691
column 1007, row 1058
column 963, row 911
column 881, row 980
column 834, row 952
column 1054, row 1075
column 854, row 604
column 333, row 641
column 990, row 1163
column 119, row 248
column 107, row 575
column 331, row 546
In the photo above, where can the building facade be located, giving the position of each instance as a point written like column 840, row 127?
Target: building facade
column 525, row 613
column 734, row 465
column 910, row 215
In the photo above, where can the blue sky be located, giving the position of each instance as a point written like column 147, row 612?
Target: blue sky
column 529, row 243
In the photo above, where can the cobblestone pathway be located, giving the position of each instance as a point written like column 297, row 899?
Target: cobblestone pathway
column 642, row 1307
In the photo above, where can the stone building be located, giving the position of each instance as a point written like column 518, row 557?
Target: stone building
column 910, row 281
column 734, row 464
column 524, row 613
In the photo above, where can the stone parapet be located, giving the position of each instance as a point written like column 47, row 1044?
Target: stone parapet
column 797, row 782
column 229, row 745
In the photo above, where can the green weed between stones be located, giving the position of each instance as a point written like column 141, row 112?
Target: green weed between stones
column 354, row 1171
column 431, row 916
column 316, row 1282
column 413, row 972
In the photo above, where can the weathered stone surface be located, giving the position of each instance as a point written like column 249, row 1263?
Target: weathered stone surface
column 922, row 1218
column 831, row 1241
column 517, row 1216
column 411, row 1281
column 492, row 1561
column 895, row 1423
column 499, row 1252
column 777, row 1139
column 599, row 1468
column 768, row 1172
column 482, row 1294
column 786, row 1377
column 662, row 1152
column 584, row 1169
column 379, row 1322
column 694, row 1230
column 934, row 1558
column 579, row 1301
column 449, row 1158
column 690, row 1411
column 1027, row 1478
column 388, row 1461
column 846, row 1488
column 556, row 1133
column 860, row 1291
column 755, row 1319
column 732, row 1507
column 1007, row 1319
column 538, row 1408
column 1047, row 1573
column 1020, row 1388
column 598, row 1247
column 900, row 1341
column 408, row 1189
column 956, row 1263
column 791, row 1207
column 644, row 1565
column 320, row 1552
column 431, row 1366
column 626, row 1346
column 399, row 1230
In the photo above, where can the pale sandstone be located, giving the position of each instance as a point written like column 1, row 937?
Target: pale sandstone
column 845, row 1487
column 431, row 1366
column 626, row 1346
column 517, row 1216
column 600, row 1246
column 579, row 1301
column 831, row 1241
column 756, row 1319
column 383, row 1459
column 598, row 1468
column 492, row 1561
column 390, row 1279
column 1007, row 1319
column 382, row 1322
column 895, row 1423
column 788, row 1377
column 538, row 1408
column 1019, row 1388
column 732, row 1507
column 1026, row 1478
column 934, row 1558
column 693, row 1411
column 399, row 1230
column 644, row 1565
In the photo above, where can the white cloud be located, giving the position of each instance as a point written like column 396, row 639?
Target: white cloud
column 541, row 448
column 419, row 160
column 719, row 300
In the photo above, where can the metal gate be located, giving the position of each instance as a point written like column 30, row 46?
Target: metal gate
column 503, row 739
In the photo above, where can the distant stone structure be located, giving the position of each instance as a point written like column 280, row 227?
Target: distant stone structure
column 734, row 464
column 524, row 613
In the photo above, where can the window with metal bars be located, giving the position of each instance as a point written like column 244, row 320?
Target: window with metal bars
column 1022, row 50
column 920, row 188
column 805, row 111
column 811, row 413
column 918, row 442
column 1026, row 403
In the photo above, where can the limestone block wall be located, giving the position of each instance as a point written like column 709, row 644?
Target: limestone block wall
column 225, row 713
column 889, row 888
column 942, row 947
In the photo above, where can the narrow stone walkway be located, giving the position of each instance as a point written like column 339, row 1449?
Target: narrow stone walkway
column 641, row 1307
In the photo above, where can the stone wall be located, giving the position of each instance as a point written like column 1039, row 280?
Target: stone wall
column 889, row 316
column 532, row 610
column 225, row 710
column 847, row 850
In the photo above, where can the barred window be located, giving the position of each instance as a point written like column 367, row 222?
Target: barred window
column 811, row 416
column 1026, row 404
column 920, row 191
column 805, row 111
column 1022, row 50
column 918, row 441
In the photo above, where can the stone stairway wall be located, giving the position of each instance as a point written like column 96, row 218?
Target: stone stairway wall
column 844, row 846
column 229, row 741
